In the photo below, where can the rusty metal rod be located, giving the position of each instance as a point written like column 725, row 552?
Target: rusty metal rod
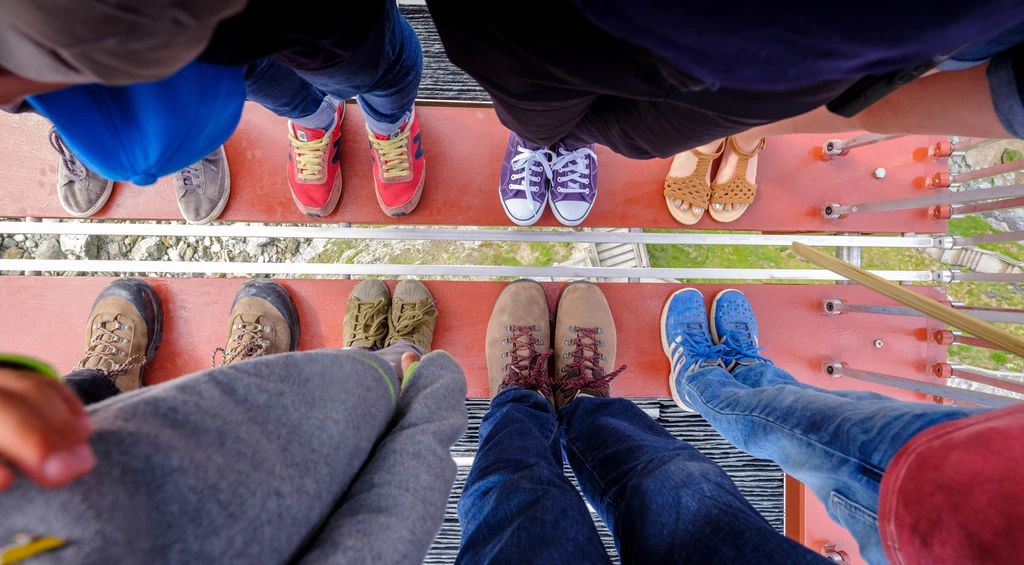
column 990, row 238
column 989, row 171
column 957, row 394
column 1004, row 204
column 835, row 210
column 961, row 372
column 836, row 147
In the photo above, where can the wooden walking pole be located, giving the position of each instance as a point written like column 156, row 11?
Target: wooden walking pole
column 959, row 320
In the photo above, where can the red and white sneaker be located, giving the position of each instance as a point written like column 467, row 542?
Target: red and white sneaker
column 398, row 167
column 314, row 166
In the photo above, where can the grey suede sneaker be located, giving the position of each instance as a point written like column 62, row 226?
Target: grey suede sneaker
column 81, row 192
column 203, row 189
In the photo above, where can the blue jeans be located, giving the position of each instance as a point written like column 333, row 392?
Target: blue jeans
column 663, row 501
column 383, row 74
column 838, row 443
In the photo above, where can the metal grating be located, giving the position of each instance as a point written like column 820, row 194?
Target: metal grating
column 761, row 482
column 442, row 80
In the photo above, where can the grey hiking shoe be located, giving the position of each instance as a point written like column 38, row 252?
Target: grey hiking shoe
column 81, row 192
column 413, row 315
column 366, row 315
column 203, row 189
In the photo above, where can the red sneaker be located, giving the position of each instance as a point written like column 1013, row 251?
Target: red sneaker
column 314, row 166
column 399, row 167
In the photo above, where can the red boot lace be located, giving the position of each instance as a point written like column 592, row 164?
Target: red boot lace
column 585, row 368
column 529, row 370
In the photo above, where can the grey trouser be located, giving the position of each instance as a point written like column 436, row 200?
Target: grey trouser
column 312, row 457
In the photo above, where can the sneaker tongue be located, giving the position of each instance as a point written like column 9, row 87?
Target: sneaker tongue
column 307, row 134
column 393, row 135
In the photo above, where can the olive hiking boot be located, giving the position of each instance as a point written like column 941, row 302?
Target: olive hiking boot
column 124, row 331
column 585, row 344
column 263, row 321
column 518, row 341
column 413, row 315
column 366, row 315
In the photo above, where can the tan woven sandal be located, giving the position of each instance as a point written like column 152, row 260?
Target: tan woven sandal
column 693, row 188
column 736, row 191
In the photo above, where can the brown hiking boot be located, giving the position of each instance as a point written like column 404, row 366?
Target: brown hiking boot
column 124, row 331
column 519, row 339
column 366, row 315
column 263, row 322
column 413, row 315
column 584, row 344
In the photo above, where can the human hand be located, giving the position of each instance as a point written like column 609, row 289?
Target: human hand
column 44, row 430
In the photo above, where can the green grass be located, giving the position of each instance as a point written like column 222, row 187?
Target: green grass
column 974, row 225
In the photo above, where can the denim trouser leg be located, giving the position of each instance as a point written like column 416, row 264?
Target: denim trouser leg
column 517, row 505
column 663, row 500
column 278, row 89
column 838, row 444
column 91, row 386
column 383, row 73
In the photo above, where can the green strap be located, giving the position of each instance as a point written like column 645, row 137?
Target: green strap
column 12, row 361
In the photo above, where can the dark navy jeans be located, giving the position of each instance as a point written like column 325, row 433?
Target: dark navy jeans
column 383, row 74
column 838, row 443
column 663, row 500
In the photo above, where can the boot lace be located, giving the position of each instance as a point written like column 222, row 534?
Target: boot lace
column 393, row 154
column 570, row 168
column 310, row 157
column 526, row 370
column 105, row 346
column 371, row 322
column 246, row 342
column 739, row 345
column 410, row 316
column 584, row 371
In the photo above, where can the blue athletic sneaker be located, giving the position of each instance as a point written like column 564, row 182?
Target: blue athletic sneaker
column 734, row 327
column 686, row 339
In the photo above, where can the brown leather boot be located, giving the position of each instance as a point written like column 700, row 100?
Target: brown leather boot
column 124, row 331
column 584, row 344
column 264, row 321
column 519, row 339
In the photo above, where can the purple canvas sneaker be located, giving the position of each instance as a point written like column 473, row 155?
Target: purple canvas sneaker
column 525, row 175
column 573, row 183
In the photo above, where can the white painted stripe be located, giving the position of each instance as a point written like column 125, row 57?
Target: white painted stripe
column 474, row 234
column 566, row 271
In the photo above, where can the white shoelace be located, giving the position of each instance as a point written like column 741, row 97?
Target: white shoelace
column 528, row 162
column 575, row 164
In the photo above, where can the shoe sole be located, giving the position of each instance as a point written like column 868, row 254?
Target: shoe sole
column 664, row 347
column 95, row 208
column 327, row 208
column 224, row 199
column 399, row 211
column 569, row 223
